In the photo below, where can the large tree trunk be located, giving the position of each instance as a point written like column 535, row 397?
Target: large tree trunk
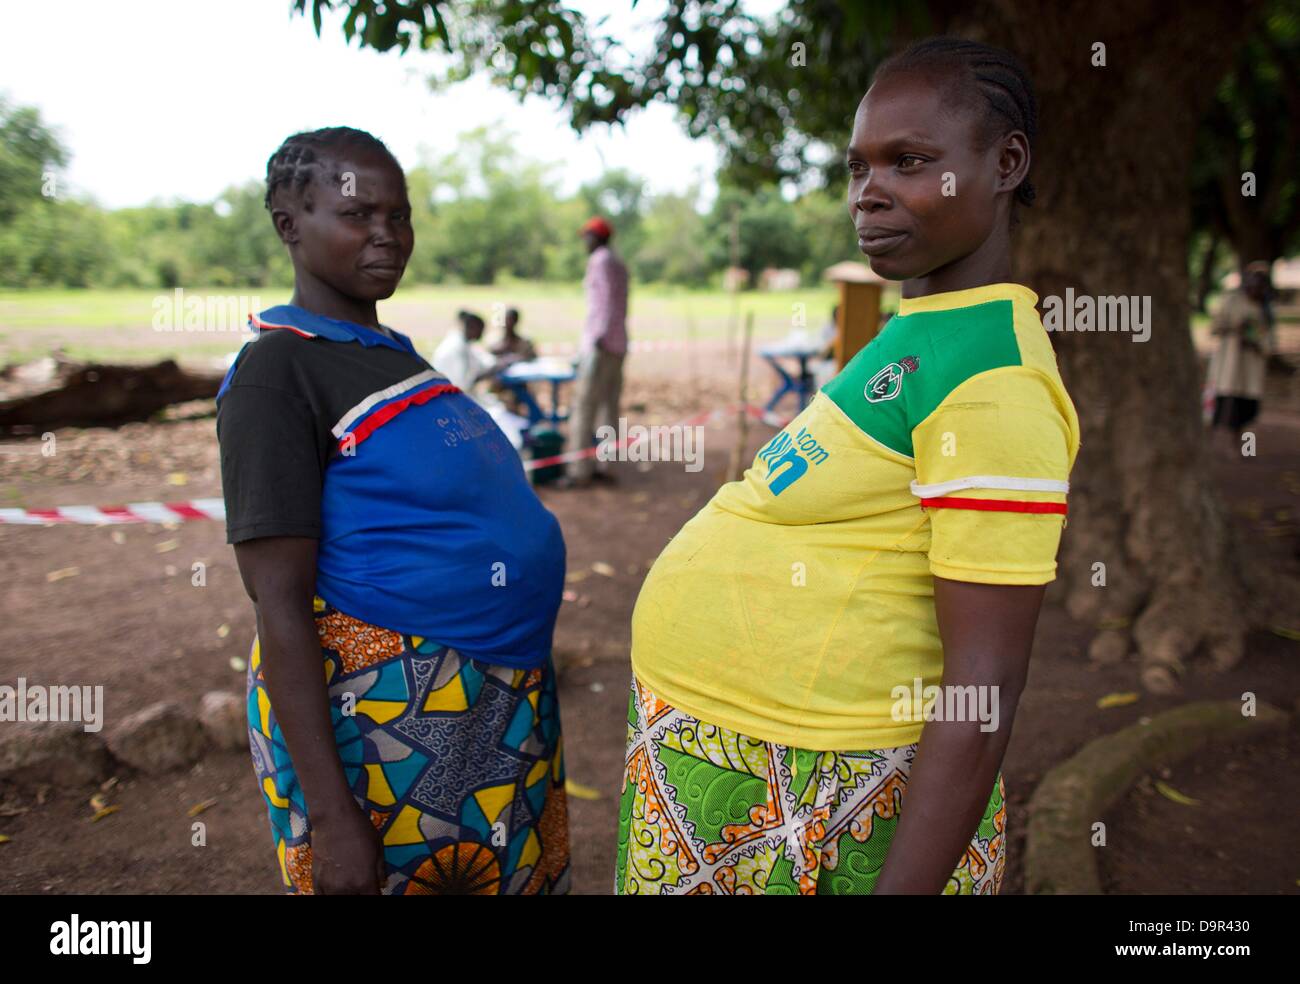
column 1111, row 166
column 1254, row 240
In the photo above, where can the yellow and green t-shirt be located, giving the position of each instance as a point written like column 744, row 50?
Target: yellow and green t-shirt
column 794, row 603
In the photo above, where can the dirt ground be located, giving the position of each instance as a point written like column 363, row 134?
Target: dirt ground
column 120, row 610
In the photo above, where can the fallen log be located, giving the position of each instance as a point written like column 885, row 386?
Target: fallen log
column 100, row 395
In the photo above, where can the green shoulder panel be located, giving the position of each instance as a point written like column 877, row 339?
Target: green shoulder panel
column 917, row 360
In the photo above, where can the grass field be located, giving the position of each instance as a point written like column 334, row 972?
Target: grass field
column 119, row 324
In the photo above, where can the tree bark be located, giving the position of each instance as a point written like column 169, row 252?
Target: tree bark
column 1112, row 171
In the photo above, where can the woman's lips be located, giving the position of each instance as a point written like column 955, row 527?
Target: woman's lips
column 384, row 271
column 879, row 242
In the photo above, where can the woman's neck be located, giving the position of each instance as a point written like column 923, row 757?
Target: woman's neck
column 990, row 264
column 320, row 298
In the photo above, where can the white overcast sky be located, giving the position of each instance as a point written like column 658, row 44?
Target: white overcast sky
column 178, row 99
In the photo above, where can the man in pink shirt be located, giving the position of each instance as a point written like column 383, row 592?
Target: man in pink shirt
column 604, row 345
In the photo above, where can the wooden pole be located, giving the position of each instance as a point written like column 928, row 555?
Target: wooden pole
column 736, row 467
column 693, row 379
column 733, row 316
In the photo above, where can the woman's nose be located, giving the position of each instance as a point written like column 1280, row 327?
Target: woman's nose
column 870, row 196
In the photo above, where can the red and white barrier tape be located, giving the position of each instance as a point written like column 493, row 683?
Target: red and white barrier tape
column 175, row 512
column 132, row 512
column 567, row 456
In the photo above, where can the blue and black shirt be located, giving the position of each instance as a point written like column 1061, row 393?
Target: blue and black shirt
column 427, row 524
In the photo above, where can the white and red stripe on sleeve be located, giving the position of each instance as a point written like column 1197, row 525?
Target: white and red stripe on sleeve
column 937, row 495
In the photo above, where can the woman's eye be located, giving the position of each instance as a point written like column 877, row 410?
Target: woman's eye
column 910, row 160
column 856, row 167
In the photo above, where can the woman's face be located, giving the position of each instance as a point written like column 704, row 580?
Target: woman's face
column 351, row 229
column 921, row 196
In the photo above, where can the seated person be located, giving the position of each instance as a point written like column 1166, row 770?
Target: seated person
column 512, row 343
column 823, row 367
column 461, row 358
column 513, row 347
column 829, row 331
column 466, row 363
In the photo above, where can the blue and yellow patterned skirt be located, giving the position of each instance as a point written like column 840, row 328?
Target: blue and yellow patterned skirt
column 458, row 763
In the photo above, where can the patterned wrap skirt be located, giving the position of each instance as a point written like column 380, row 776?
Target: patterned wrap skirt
column 458, row 763
column 708, row 811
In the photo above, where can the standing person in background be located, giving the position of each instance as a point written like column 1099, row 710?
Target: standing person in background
column 604, row 344
column 1243, row 324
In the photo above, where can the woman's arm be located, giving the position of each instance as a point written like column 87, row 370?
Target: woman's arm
column 279, row 574
column 987, row 632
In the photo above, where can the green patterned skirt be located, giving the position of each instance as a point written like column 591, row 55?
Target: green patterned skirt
column 708, row 811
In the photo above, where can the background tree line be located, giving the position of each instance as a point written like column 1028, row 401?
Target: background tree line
column 482, row 211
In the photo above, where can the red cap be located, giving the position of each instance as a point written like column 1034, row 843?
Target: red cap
column 599, row 226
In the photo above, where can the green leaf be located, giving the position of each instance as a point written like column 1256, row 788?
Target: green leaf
column 1169, row 793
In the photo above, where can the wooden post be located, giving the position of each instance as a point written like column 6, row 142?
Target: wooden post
column 736, row 467
column 733, row 318
column 694, row 385
column 858, row 319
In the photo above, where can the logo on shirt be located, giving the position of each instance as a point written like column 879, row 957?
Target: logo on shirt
column 785, row 465
column 888, row 383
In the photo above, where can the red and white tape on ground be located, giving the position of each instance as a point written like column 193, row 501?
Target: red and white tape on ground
column 132, row 512
column 567, row 456
column 175, row 512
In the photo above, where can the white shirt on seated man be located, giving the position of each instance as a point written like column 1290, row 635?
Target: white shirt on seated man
column 466, row 364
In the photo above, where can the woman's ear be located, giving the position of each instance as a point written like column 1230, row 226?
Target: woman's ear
column 286, row 226
column 1013, row 161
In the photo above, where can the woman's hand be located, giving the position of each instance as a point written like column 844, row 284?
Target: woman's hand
column 988, row 633
column 347, row 855
column 280, row 576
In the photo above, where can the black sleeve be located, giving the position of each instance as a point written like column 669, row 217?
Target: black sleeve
column 272, row 462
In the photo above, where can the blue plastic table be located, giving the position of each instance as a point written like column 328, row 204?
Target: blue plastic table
column 553, row 371
column 802, row 384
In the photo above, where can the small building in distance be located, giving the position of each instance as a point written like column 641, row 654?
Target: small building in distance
column 735, row 278
column 779, row 278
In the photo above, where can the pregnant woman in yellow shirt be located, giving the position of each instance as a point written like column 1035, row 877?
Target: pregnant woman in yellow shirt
column 827, row 658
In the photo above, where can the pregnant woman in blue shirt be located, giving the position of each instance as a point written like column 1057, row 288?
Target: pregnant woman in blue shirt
column 406, row 579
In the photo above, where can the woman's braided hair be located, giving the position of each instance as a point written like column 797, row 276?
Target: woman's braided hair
column 998, row 74
column 301, row 156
